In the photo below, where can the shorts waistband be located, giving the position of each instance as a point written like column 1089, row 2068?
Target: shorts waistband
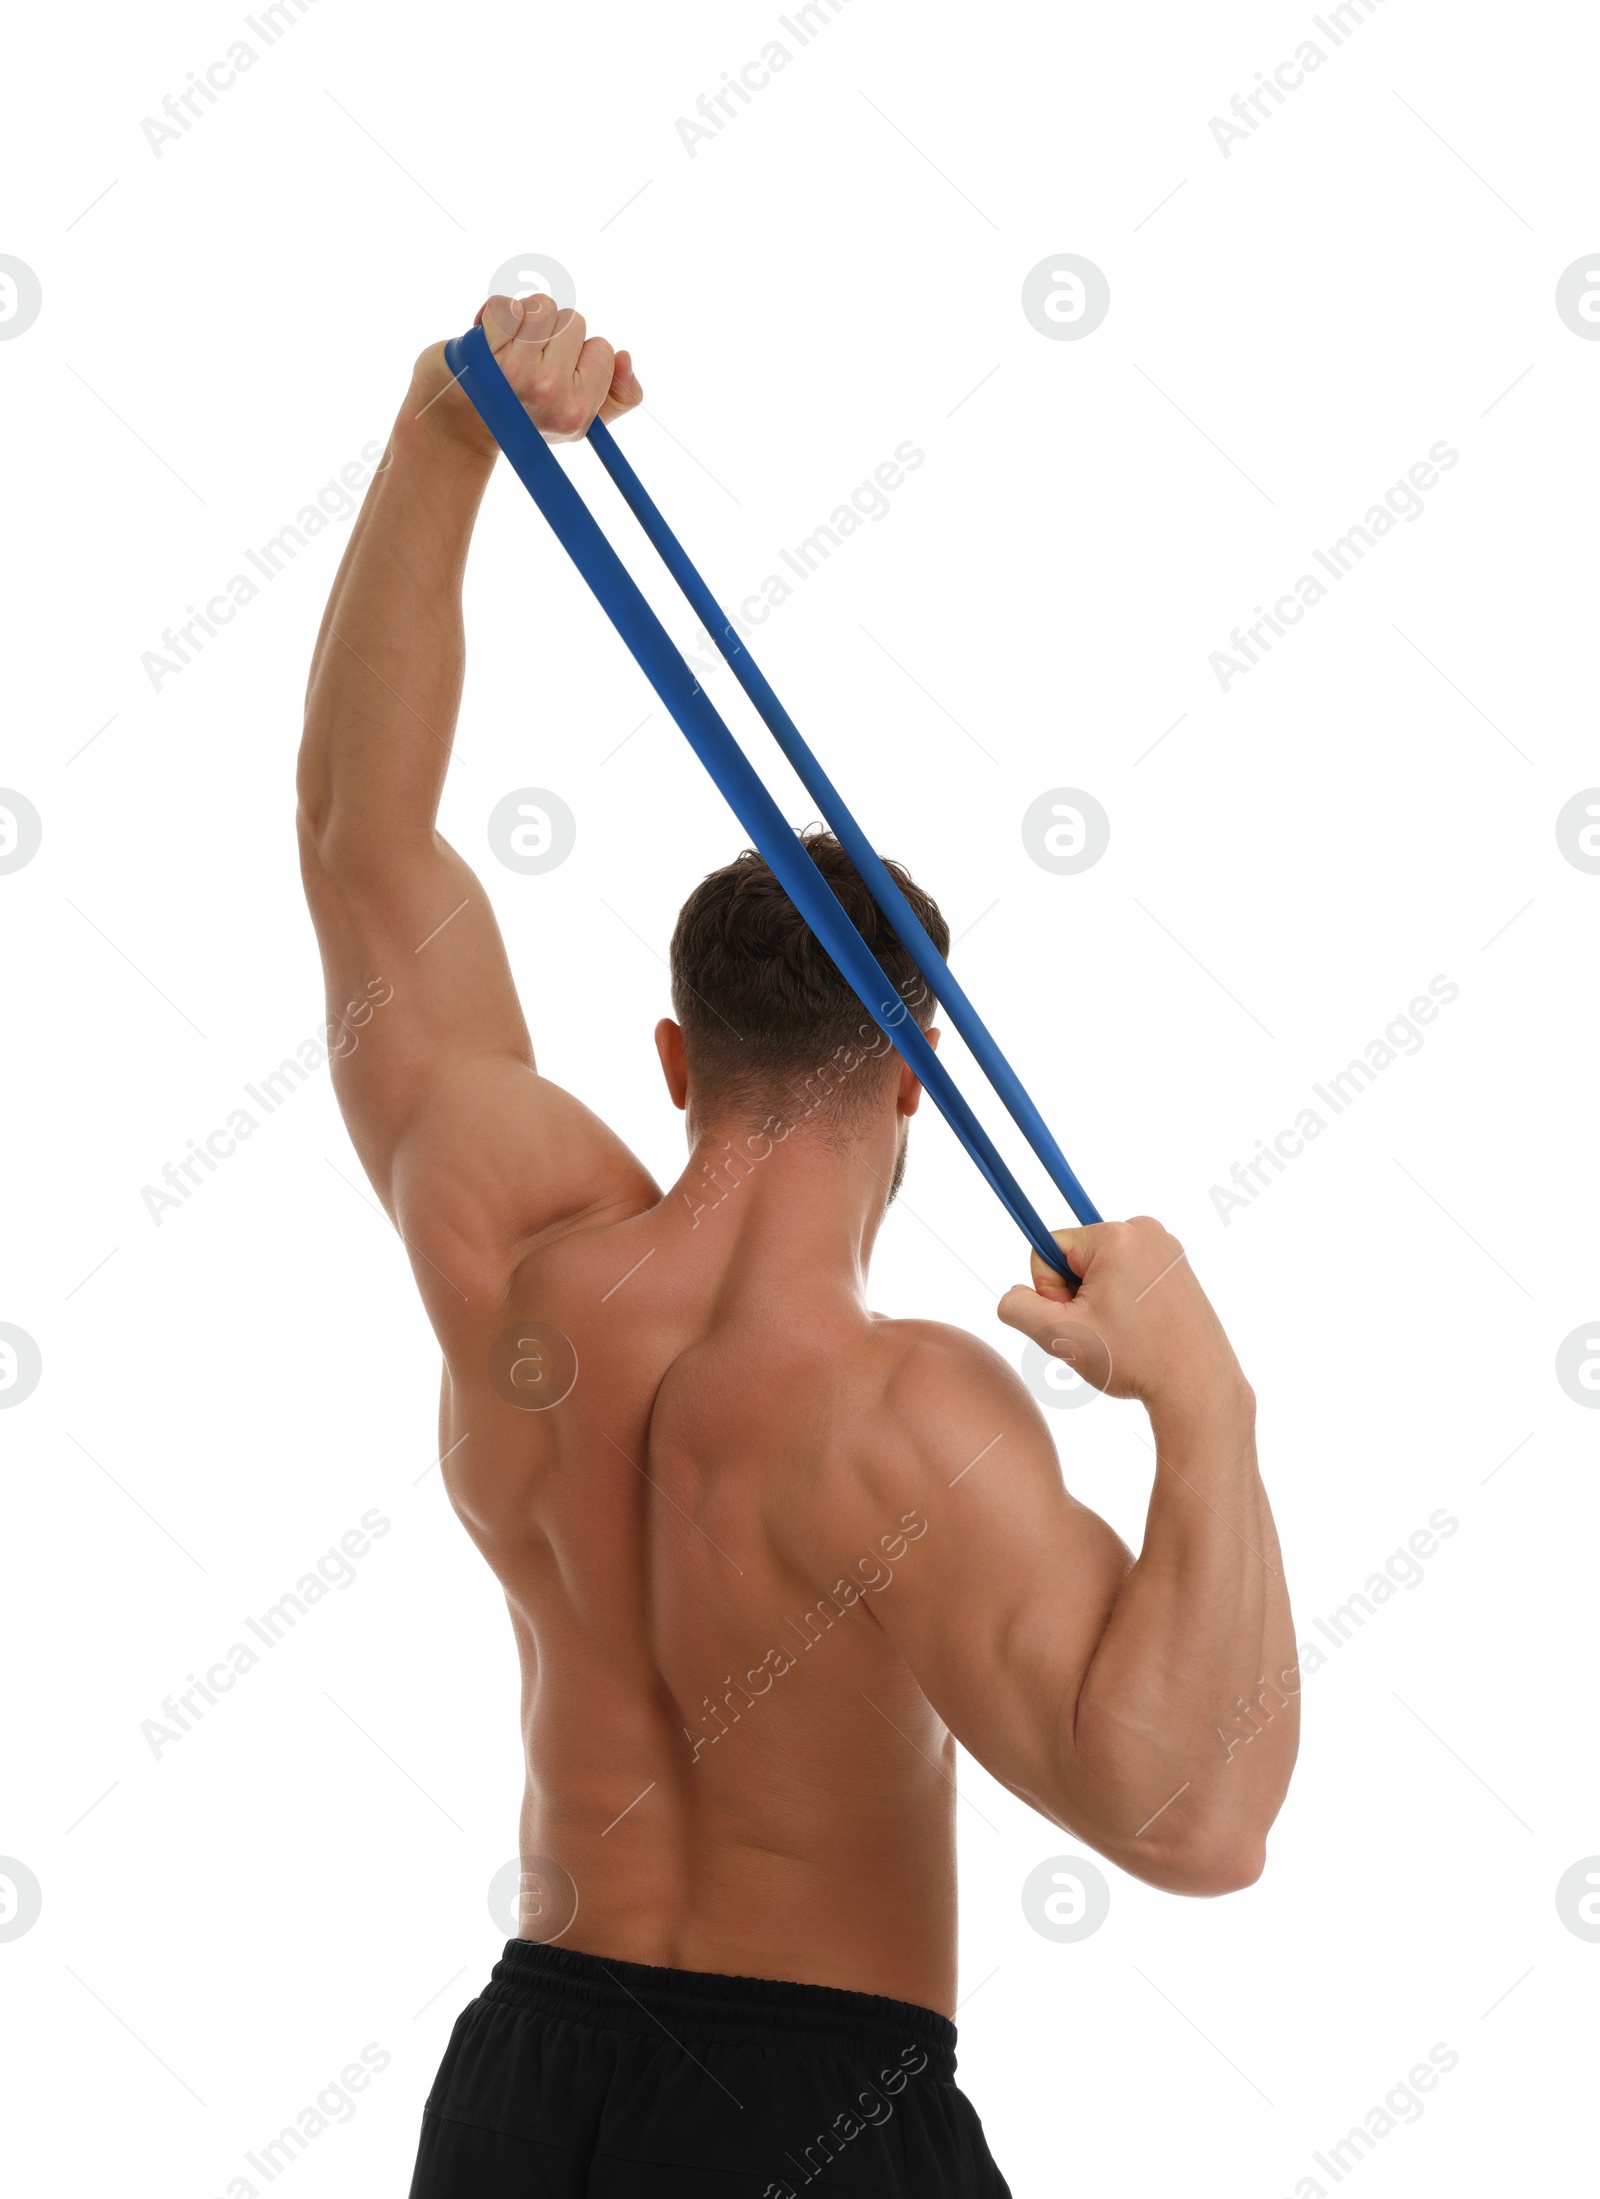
column 704, row 2004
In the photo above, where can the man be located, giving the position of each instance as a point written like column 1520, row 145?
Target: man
column 767, row 1555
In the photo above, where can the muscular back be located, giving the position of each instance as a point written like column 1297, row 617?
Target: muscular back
column 729, row 1761
column 766, row 1556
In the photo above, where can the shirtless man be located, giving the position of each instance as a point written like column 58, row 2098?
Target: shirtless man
column 767, row 1555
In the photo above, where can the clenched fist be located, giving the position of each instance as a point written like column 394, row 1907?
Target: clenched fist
column 565, row 377
column 1138, row 1294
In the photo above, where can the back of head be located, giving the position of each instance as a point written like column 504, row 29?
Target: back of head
column 769, row 1023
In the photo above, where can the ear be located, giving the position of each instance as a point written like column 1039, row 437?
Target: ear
column 674, row 1062
column 909, row 1097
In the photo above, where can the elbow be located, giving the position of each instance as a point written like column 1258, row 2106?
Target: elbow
column 1205, row 1871
column 1200, row 1859
column 1228, row 1872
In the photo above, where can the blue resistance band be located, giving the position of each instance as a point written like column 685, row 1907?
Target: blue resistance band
column 475, row 367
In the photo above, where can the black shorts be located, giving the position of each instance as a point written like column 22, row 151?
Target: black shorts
column 572, row 2075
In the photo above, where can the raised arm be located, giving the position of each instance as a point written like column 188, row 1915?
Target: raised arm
column 471, row 1151
column 1150, row 1704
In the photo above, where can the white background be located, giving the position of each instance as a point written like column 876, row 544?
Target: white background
column 1371, row 272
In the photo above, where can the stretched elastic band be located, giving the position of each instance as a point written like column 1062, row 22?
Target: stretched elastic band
column 474, row 365
column 874, row 873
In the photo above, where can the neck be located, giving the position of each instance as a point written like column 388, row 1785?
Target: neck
column 810, row 1203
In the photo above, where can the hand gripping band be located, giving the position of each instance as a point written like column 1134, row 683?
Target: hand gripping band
column 475, row 367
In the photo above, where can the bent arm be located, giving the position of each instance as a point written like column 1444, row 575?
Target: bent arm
column 471, row 1151
column 1148, row 1704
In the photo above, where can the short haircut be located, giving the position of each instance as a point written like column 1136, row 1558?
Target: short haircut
column 765, row 1012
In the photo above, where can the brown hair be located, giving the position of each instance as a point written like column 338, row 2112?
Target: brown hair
column 764, row 1010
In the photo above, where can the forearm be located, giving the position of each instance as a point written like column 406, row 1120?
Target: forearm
column 1187, row 1720
column 386, row 677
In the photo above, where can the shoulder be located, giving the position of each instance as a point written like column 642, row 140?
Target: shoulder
column 943, row 1401
column 926, row 1369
